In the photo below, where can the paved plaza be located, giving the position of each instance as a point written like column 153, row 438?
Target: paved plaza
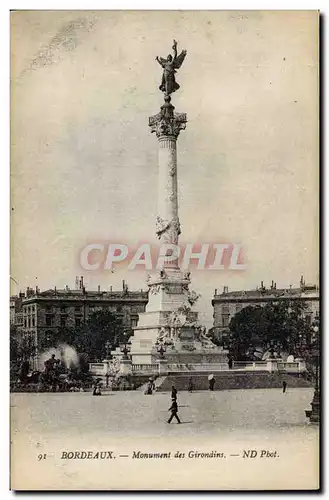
column 228, row 422
column 117, row 413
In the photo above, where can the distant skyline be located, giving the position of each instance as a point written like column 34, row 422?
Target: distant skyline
column 84, row 163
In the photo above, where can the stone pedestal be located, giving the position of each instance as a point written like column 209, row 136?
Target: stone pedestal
column 301, row 365
column 125, row 367
column 272, row 364
column 163, row 366
column 99, row 369
column 314, row 414
column 168, row 293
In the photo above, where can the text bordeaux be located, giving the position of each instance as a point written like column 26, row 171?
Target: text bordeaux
column 87, row 455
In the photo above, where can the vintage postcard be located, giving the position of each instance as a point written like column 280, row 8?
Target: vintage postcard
column 164, row 309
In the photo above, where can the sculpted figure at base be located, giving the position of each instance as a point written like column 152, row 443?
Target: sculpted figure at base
column 168, row 83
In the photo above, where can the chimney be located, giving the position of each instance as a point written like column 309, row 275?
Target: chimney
column 262, row 285
column 81, row 281
column 123, row 284
column 215, row 291
column 111, row 288
column 99, row 289
column 272, row 285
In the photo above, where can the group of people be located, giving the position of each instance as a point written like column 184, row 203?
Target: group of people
column 150, row 388
column 52, row 365
column 97, row 389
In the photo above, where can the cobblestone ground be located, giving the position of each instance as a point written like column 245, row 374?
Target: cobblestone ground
column 228, row 422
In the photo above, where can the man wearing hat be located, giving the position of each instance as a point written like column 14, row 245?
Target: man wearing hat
column 174, row 410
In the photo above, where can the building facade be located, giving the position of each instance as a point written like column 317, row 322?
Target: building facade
column 227, row 304
column 42, row 314
column 16, row 310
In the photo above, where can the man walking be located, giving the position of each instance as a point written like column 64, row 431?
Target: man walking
column 173, row 392
column 174, row 410
column 284, row 386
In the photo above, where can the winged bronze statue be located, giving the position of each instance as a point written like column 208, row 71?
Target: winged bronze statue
column 168, row 83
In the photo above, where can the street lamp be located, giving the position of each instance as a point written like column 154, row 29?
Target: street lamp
column 108, row 347
column 314, row 414
column 125, row 346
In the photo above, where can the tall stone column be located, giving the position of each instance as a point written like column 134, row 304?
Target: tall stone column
column 167, row 125
column 169, row 317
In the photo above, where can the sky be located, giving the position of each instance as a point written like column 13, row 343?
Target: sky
column 84, row 163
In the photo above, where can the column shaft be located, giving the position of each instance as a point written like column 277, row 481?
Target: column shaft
column 167, row 189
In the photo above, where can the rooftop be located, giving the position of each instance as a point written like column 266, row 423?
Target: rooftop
column 272, row 291
column 80, row 291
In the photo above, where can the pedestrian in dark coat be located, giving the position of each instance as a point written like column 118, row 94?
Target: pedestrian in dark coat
column 173, row 392
column 174, row 410
column 211, row 384
column 190, row 384
column 284, row 386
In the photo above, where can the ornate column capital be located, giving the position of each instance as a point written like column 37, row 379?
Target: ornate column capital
column 167, row 123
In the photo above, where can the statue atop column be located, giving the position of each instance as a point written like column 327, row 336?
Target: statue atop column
column 170, row 64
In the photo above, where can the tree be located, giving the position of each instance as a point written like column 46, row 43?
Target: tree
column 14, row 346
column 100, row 328
column 68, row 335
column 246, row 329
column 281, row 323
column 22, row 347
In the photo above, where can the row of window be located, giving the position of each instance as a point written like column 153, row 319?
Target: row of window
column 63, row 321
column 225, row 320
column 226, row 316
column 226, row 313
column 226, row 309
column 65, row 309
column 30, row 322
column 29, row 309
